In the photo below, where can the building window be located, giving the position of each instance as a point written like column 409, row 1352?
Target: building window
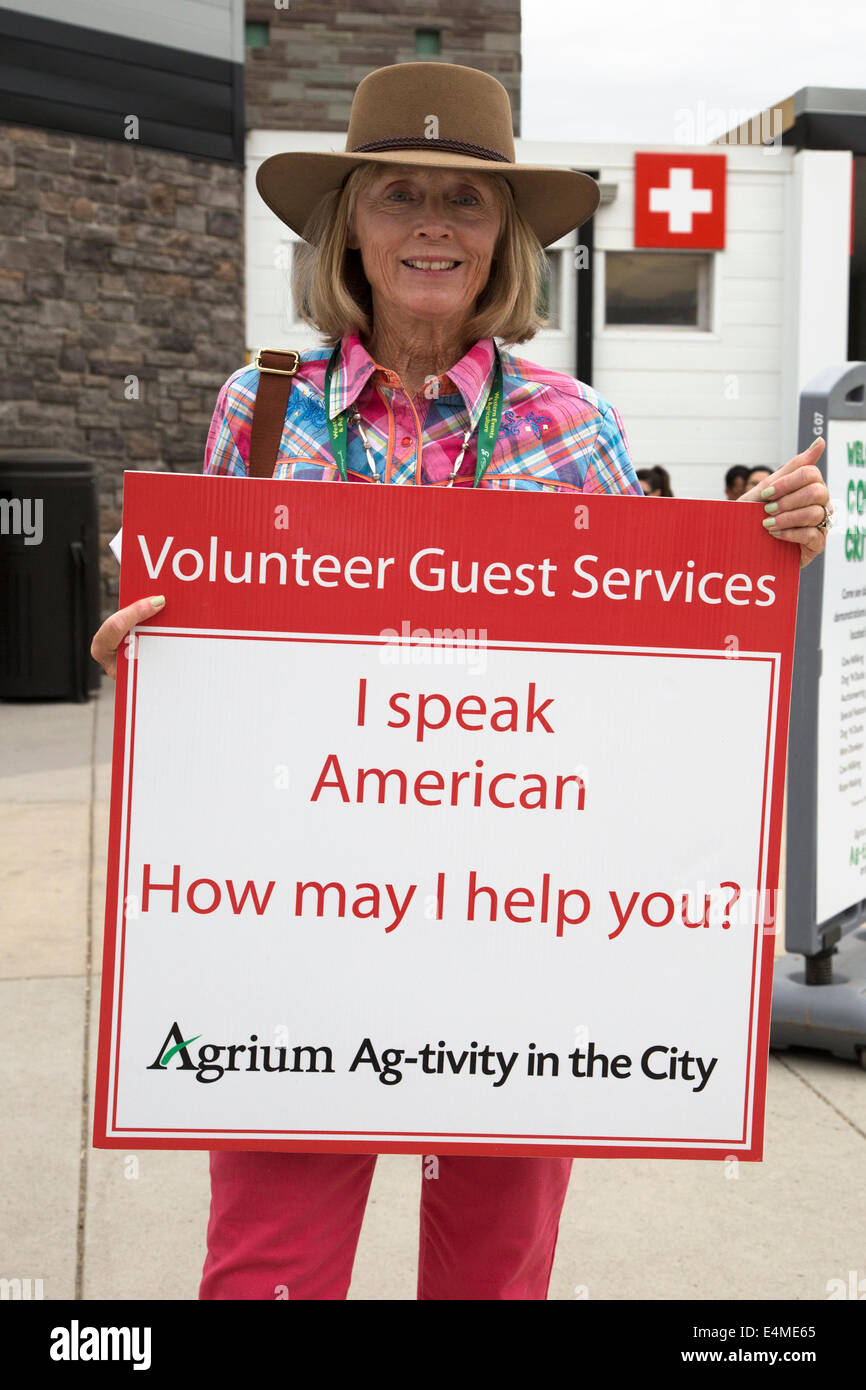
column 549, row 299
column 256, row 35
column 427, row 41
column 657, row 289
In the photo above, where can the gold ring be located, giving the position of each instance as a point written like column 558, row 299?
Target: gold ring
column 828, row 520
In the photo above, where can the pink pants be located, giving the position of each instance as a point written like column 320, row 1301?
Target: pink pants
column 287, row 1225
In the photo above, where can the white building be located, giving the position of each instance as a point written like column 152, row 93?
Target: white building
column 703, row 351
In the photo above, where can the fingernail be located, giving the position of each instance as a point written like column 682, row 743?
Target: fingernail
column 768, row 492
column 158, row 602
column 771, row 507
column 769, row 522
column 815, row 443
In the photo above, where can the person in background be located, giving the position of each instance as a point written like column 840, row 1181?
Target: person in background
column 656, row 482
column 757, row 476
column 736, row 482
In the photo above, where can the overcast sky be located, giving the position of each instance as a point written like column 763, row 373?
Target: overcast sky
column 631, row 69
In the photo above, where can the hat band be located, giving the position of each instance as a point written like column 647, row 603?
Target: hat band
column 420, row 142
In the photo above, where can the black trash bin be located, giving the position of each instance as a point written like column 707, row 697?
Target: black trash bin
column 49, row 575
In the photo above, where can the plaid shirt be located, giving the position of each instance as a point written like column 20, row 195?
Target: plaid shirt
column 556, row 433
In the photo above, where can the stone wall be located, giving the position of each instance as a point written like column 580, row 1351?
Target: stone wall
column 319, row 51
column 121, row 295
column 122, row 266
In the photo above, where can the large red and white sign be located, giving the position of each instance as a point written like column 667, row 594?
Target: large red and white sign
column 443, row 821
column 679, row 200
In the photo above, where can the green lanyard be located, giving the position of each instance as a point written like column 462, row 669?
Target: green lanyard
column 488, row 425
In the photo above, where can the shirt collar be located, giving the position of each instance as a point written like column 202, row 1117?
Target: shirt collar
column 472, row 376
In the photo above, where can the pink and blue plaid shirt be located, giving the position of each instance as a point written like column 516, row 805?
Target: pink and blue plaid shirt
column 556, row 433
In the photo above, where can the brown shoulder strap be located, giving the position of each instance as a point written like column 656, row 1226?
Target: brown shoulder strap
column 276, row 369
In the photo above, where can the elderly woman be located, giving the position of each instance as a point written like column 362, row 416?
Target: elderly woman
column 423, row 245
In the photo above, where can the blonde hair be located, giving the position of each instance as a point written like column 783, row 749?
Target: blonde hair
column 333, row 295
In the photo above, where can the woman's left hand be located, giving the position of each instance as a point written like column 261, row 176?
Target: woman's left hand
column 796, row 503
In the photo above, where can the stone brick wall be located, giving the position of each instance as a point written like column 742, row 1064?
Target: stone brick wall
column 320, row 49
column 122, row 266
column 117, row 261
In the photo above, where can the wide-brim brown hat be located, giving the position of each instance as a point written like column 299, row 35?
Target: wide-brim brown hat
column 435, row 115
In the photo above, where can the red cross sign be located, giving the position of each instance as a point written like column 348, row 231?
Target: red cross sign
column 679, row 200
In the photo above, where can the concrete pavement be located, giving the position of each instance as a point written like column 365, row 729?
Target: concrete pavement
column 105, row 1224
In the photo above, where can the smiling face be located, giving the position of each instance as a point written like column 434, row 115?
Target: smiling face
column 426, row 238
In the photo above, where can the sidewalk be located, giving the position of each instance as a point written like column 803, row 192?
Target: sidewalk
column 105, row 1224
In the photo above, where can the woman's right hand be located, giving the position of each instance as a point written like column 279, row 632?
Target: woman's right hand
column 105, row 643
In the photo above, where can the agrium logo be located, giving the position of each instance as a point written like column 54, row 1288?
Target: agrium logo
column 211, row 1061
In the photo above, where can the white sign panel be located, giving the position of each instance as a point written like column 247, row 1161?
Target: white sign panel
column 841, row 839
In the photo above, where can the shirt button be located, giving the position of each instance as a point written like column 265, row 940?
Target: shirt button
column 405, row 441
